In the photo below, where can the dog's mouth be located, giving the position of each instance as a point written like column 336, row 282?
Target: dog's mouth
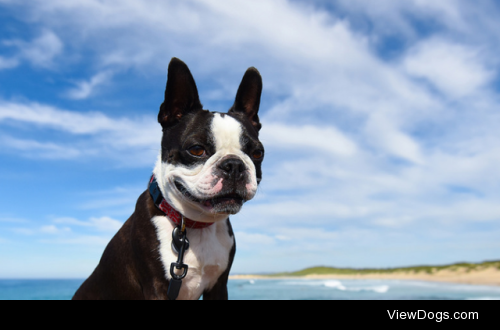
column 222, row 203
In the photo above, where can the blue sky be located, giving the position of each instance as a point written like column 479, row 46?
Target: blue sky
column 380, row 122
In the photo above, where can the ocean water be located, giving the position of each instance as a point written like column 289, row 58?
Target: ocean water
column 305, row 289
column 38, row 289
column 283, row 289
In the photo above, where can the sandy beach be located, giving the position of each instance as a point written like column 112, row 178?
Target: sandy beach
column 485, row 276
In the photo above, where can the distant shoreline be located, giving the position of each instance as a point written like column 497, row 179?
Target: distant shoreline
column 475, row 274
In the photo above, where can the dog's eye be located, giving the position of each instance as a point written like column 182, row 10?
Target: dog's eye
column 197, row 151
column 258, row 154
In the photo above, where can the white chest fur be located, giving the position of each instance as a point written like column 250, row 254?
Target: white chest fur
column 207, row 257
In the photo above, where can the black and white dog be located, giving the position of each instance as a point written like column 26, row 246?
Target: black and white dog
column 209, row 166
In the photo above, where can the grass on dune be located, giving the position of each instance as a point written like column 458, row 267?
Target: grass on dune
column 462, row 266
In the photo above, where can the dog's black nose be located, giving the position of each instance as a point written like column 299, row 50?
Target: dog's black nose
column 233, row 168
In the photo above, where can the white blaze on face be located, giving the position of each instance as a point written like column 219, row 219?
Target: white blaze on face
column 227, row 134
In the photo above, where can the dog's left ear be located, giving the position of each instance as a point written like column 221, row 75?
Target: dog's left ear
column 248, row 97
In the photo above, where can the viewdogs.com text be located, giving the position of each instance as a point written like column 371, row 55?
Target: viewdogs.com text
column 438, row 316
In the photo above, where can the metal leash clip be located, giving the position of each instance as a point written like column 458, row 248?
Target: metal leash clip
column 180, row 244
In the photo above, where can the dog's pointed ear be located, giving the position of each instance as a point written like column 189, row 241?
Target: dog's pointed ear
column 248, row 97
column 181, row 94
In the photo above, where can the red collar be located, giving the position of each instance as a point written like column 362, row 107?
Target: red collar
column 169, row 211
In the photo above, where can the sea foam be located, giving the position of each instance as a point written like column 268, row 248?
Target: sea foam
column 338, row 285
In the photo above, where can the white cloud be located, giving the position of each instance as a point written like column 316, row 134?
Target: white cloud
column 35, row 149
column 96, row 134
column 248, row 240
column 24, row 231
column 388, row 137
column 80, row 240
column 8, row 63
column 105, row 224
column 323, row 139
column 393, row 222
column 41, row 51
column 387, row 16
column 296, row 210
column 85, row 89
column 117, row 203
column 455, row 69
column 53, row 230
column 72, row 122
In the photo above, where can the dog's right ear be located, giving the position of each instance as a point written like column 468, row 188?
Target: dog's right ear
column 181, row 94
column 248, row 97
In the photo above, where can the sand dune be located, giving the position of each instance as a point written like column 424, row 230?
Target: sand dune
column 483, row 276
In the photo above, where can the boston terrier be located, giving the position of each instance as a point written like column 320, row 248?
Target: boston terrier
column 179, row 243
